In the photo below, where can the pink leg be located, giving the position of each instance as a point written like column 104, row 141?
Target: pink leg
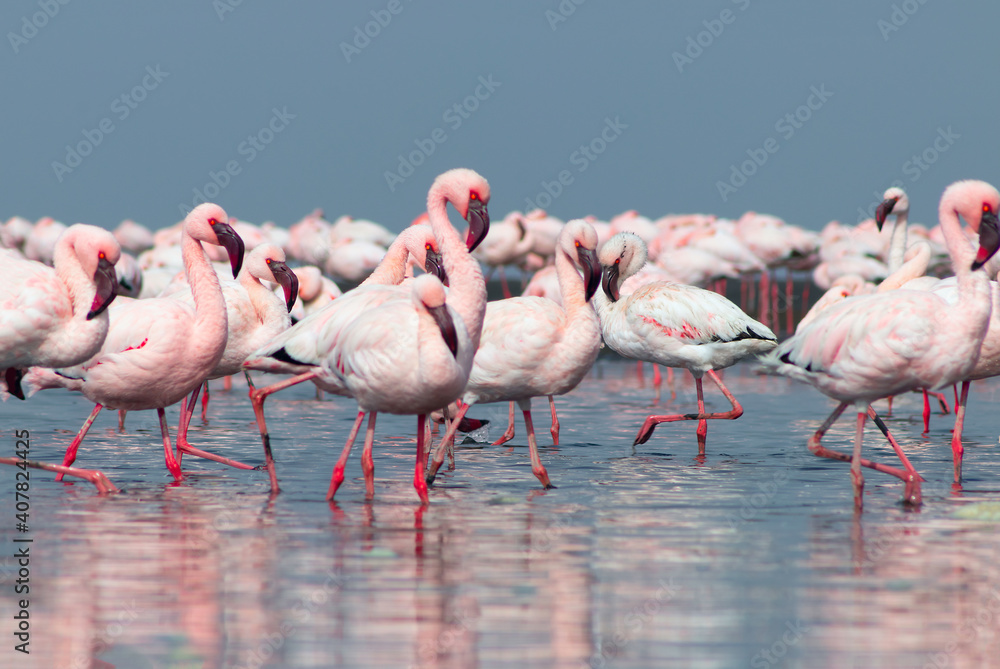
column 257, row 398
column 888, row 414
column 657, row 382
column 646, row 431
column 227, row 383
column 338, row 470
column 367, row 461
column 805, row 295
column 638, row 371
column 957, row 450
column 509, row 432
column 204, row 404
column 670, row 382
column 821, row 451
column 187, row 413
column 104, row 486
column 554, row 430
column 939, row 397
column 927, row 413
column 537, row 468
column 168, row 449
column 443, row 444
column 912, row 494
column 419, row 480
column 70, row 456
column 121, row 420
column 857, row 478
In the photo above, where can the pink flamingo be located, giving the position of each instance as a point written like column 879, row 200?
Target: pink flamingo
column 533, row 347
column 674, row 325
column 869, row 347
column 301, row 349
column 422, row 362
column 159, row 350
column 57, row 317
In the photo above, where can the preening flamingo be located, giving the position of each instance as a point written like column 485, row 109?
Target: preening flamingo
column 159, row 350
column 674, row 325
column 869, row 347
column 54, row 317
column 532, row 346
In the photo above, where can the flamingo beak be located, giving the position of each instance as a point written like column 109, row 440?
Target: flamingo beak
column 106, row 281
column 229, row 240
column 478, row 218
column 433, row 265
column 288, row 281
column 610, row 282
column 447, row 326
column 989, row 239
column 883, row 211
column 591, row 271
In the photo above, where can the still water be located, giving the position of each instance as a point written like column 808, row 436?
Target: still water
column 642, row 557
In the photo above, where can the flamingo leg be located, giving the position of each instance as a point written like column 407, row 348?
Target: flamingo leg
column 537, row 468
column 857, row 478
column 121, row 420
column 957, row 450
column 670, row 382
column 554, row 430
column 443, row 444
column 938, row 396
column 367, row 462
column 74, row 445
column 419, row 479
column 657, row 382
column 204, row 403
column 912, row 494
column 888, row 414
column 927, row 413
column 96, row 477
column 509, row 432
column 227, row 383
column 338, row 470
column 646, row 431
column 257, row 397
column 168, row 450
column 821, row 451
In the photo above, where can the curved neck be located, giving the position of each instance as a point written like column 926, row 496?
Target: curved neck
column 80, row 287
column 962, row 255
column 897, row 243
column 913, row 267
column 392, row 270
column 206, row 291
column 266, row 305
column 571, row 285
column 467, row 295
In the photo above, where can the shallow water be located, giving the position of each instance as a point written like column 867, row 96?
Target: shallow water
column 642, row 557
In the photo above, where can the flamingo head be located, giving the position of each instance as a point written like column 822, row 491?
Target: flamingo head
column 429, row 293
column 209, row 223
column 622, row 256
column 894, row 200
column 579, row 241
column 978, row 203
column 98, row 251
column 469, row 193
column 423, row 247
column 267, row 261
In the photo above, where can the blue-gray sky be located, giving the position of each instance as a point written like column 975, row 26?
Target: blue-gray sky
column 664, row 96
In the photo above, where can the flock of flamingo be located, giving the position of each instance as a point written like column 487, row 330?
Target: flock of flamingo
column 417, row 336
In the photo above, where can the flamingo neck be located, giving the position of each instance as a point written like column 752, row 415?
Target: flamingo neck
column 266, row 305
column 80, row 287
column 897, row 243
column 211, row 325
column 467, row 295
column 392, row 270
column 914, row 266
column 973, row 286
column 571, row 286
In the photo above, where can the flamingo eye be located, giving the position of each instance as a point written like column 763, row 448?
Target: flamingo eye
column 473, row 195
column 617, row 260
column 101, row 255
column 268, row 261
column 213, row 221
column 987, row 208
column 427, row 246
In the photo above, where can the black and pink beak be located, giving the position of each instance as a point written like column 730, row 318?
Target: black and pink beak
column 287, row 279
column 883, row 211
column 989, row 239
column 106, row 281
column 591, row 271
column 478, row 218
column 610, row 282
column 434, row 265
column 233, row 244
column 447, row 326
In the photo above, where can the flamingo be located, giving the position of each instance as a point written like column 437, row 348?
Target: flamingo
column 315, row 292
column 254, row 316
column 422, row 362
column 866, row 348
column 674, row 325
column 301, row 349
column 57, row 317
column 159, row 350
column 532, row 346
